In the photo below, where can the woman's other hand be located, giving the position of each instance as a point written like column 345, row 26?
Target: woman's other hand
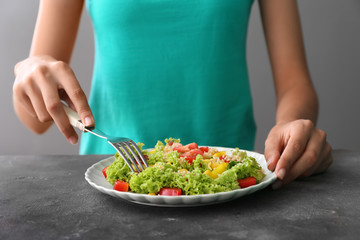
column 296, row 149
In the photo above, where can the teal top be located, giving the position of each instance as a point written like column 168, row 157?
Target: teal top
column 171, row 68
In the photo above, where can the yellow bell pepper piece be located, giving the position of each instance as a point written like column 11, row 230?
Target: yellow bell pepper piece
column 219, row 154
column 220, row 169
column 214, row 165
column 152, row 194
column 207, row 172
column 217, row 171
column 210, row 174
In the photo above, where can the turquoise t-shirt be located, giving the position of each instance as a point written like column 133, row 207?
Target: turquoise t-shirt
column 171, row 68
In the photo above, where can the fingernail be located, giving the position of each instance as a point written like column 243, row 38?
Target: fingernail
column 72, row 140
column 88, row 121
column 269, row 160
column 276, row 185
column 281, row 173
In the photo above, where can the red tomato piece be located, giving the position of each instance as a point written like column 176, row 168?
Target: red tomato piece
column 170, row 191
column 182, row 149
column 121, row 186
column 204, row 149
column 170, row 143
column 247, row 182
column 190, row 156
column 192, row 146
column 104, row 171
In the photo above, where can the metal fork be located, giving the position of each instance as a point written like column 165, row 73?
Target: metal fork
column 124, row 146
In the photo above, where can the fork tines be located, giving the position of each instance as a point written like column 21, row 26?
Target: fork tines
column 131, row 157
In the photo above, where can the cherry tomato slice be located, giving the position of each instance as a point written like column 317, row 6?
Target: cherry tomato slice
column 104, row 171
column 204, row 149
column 182, row 149
column 190, row 156
column 247, row 182
column 121, row 186
column 170, row 191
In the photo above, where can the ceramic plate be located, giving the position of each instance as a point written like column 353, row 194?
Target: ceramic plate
column 96, row 179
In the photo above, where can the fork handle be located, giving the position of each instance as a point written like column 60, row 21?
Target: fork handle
column 74, row 118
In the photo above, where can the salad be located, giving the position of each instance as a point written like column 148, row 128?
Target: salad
column 176, row 169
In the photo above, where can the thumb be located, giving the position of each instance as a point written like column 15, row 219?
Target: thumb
column 272, row 150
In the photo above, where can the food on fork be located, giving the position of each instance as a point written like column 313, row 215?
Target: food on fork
column 176, row 169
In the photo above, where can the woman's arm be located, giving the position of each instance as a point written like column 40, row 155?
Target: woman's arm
column 45, row 76
column 294, row 147
column 296, row 97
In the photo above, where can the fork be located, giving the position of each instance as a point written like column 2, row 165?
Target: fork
column 124, row 146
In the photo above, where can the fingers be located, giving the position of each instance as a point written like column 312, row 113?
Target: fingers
column 21, row 97
column 294, row 148
column 310, row 160
column 327, row 160
column 35, row 94
column 285, row 144
column 75, row 93
column 324, row 161
column 53, row 108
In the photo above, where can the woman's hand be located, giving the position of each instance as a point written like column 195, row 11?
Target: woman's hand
column 41, row 82
column 296, row 149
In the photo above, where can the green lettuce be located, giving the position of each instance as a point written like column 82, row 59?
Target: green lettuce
column 152, row 179
column 118, row 170
column 165, row 172
column 248, row 167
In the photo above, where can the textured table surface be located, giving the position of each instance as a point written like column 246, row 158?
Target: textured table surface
column 47, row 197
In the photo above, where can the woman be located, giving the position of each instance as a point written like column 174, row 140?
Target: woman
column 169, row 68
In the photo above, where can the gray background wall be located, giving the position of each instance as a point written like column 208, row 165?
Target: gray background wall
column 332, row 38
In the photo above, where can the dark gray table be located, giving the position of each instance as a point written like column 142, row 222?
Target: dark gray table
column 47, row 197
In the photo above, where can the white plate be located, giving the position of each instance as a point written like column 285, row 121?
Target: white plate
column 95, row 178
